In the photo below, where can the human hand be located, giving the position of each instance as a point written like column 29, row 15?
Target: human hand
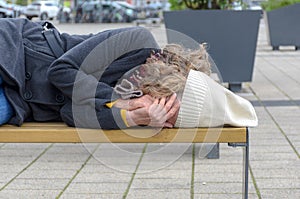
column 132, row 104
column 156, row 115
column 172, row 106
column 174, row 111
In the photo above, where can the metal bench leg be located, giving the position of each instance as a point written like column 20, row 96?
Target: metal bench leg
column 246, row 163
column 246, row 167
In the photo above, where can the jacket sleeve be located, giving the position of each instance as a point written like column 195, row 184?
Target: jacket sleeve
column 87, row 73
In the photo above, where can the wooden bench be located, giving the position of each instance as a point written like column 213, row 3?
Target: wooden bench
column 60, row 133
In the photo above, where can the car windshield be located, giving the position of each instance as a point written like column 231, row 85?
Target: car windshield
column 36, row 4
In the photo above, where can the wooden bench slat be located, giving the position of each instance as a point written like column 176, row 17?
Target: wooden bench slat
column 60, row 133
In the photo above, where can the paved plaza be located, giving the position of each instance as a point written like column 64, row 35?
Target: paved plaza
column 178, row 171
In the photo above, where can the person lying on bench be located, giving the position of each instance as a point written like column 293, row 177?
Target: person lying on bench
column 71, row 78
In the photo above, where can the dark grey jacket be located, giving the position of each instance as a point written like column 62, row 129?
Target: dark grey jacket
column 40, row 87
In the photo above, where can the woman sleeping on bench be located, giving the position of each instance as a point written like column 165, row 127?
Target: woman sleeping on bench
column 38, row 83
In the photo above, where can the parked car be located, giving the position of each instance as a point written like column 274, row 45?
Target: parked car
column 17, row 9
column 255, row 5
column 236, row 5
column 42, row 9
column 103, row 11
column 64, row 14
column 131, row 11
column 5, row 10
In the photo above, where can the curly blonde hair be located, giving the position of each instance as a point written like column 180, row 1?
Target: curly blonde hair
column 166, row 72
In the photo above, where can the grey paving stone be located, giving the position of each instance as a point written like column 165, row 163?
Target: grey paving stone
column 114, row 161
column 254, row 136
column 273, row 156
column 96, row 188
column 7, row 176
column 260, row 86
column 286, row 173
column 266, row 125
column 28, row 194
column 280, row 193
column 47, row 174
column 162, row 194
column 291, row 130
column 169, row 148
column 275, row 164
column 166, row 174
column 99, row 161
column 223, row 160
column 220, row 188
column 37, row 184
column 297, row 146
column 154, row 166
column 90, row 196
column 272, row 149
column 100, row 168
column 269, row 142
column 294, row 138
column 179, row 164
column 219, row 168
column 77, row 145
column 9, row 152
column 161, row 183
column 118, row 155
column 116, row 149
column 223, row 196
column 278, row 183
column 114, row 177
column 2, row 184
column 11, row 168
column 68, row 149
column 9, row 160
column 114, row 165
column 122, row 165
column 41, row 165
column 63, row 157
column 19, row 146
column 292, row 112
column 166, row 157
column 220, row 177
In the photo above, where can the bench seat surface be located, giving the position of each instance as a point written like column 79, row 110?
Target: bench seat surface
column 60, row 133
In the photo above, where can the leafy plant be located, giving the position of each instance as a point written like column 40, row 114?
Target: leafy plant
column 177, row 5
column 275, row 4
column 201, row 4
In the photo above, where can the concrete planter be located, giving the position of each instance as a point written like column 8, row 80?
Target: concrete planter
column 283, row 27
column 230, row 35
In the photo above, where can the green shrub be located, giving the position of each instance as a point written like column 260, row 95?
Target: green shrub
column 200, row 4
column 177, row 5
column 275, row 4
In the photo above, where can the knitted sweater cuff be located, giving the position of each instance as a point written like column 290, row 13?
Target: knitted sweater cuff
column 192, row 100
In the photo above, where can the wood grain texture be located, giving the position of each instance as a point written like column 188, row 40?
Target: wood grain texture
column 60, row 133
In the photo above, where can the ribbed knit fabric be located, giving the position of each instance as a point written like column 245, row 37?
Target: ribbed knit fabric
column 192, row 101
column 205, row 103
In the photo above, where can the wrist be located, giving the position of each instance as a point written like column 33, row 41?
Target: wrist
column 120, row 103
column 129, row 119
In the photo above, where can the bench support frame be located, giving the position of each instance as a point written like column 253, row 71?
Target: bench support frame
column 246, row 157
